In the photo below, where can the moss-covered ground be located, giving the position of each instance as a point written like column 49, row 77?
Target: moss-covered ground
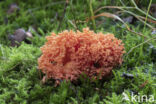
column 20, row 80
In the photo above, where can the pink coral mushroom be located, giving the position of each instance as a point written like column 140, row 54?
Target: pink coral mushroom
column 69, row 54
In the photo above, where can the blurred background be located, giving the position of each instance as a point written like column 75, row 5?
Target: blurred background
column 42, row 17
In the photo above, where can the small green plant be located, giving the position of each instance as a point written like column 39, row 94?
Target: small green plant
column 20, row 79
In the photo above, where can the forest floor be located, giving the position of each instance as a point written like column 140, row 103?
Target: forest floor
column 132, row 21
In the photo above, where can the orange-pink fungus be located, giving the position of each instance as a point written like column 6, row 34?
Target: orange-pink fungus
column 69, row 54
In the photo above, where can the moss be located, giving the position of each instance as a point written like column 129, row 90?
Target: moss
column 20, row 80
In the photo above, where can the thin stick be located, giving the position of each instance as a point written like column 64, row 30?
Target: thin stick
column 122, row 3
column 140, row 44
column 137, row 16
column 150, row 20
column 140, row 34
column 130, row 30
column 122, row 8
column 113, row 7
column 142, row 11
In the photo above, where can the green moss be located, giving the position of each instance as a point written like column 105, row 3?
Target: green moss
column 20, row 80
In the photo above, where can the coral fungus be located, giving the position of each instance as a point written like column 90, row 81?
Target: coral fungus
column 69, row 54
